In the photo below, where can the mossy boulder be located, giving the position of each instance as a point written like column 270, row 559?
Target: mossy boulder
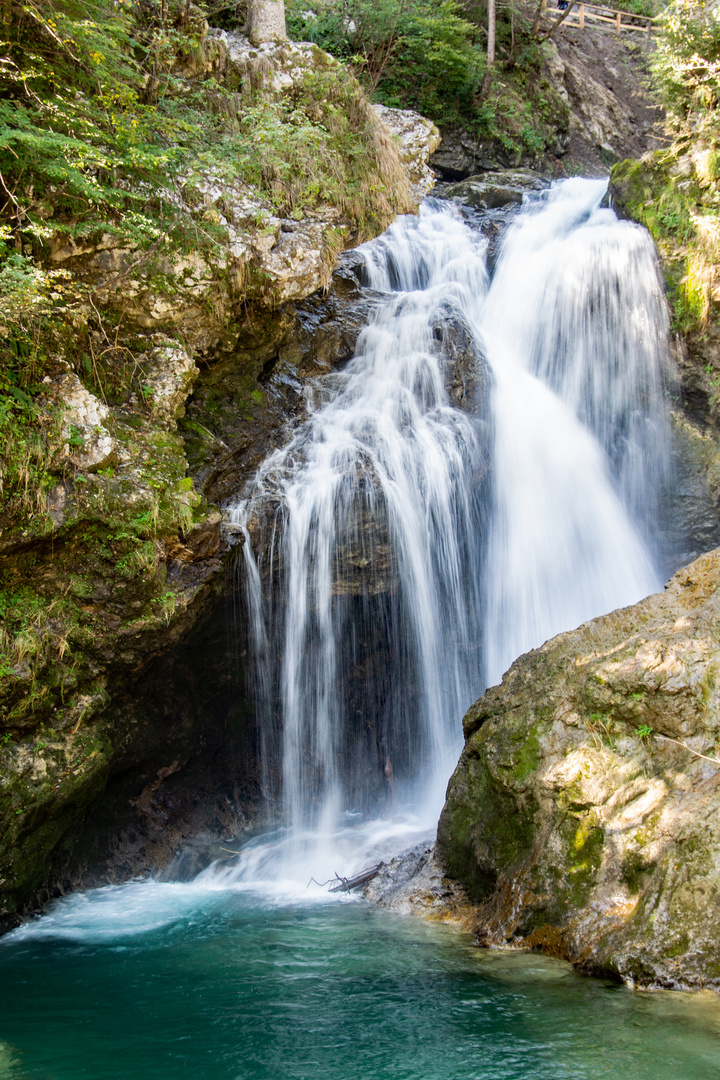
column 584, row 815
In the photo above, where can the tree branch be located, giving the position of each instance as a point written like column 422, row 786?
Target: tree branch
column 558, row 22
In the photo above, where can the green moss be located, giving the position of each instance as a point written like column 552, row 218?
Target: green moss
column 527, row 758
column 483, row 829
column 679, row 946
column 634, row 865
column 584, row 858
column 707, row 684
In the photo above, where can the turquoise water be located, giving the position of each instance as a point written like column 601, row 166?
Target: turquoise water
column 162, row 981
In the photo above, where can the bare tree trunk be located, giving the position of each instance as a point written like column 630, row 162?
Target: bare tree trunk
column 558, row 22
column 266, row 21
column 539, row 12
column 487, row 81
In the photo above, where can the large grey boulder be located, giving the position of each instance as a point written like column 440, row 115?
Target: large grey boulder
column 584, row 814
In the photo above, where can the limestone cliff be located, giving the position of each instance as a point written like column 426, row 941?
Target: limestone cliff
column 583, row 814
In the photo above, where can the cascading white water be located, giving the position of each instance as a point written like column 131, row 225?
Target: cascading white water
column 402, row 533
column 576, row 331
column 379, row 565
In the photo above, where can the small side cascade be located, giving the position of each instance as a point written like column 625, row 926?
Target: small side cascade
column 482, row 475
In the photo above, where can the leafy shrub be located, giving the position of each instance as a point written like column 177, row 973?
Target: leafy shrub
column 430, row 56
column 420, row 52
column 686, row 63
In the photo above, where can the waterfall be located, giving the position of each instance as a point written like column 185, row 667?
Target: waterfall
column 482, row 475
column 576, row 330
column 370, row 551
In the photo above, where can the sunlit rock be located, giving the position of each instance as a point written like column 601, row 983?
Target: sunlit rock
column 88, row 441
column 583, row 816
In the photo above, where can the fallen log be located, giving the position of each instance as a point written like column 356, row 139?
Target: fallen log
column 348, row 884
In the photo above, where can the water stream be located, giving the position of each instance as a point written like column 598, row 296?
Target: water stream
column 484, row 473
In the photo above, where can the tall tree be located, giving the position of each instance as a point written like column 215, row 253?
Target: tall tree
column 490, row 50
column 266, row 21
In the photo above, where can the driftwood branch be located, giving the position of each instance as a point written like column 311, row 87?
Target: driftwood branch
column 667, row 738
column 343, row 884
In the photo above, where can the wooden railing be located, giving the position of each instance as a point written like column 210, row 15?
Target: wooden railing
column 601, row 17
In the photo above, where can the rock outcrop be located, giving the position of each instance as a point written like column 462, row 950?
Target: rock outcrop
column 415, row 883
column 583, row 817
column 417, row 138
column 262, row 257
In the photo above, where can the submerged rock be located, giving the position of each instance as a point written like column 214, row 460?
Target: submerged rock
column 583, row 814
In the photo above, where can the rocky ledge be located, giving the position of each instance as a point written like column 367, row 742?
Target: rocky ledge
column 582, row 818
column 263, row 257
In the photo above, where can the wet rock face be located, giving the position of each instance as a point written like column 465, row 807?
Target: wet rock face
column 251, row 394
column 493, row 190
column 320, row 338
column 468, row 379
column 583, row 814
column 303, row 363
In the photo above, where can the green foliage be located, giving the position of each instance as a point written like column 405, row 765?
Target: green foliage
column 418, row 52
column 430, row 56
column 675, row 192
column 29, row 434
column 686, row 64
column 111, row 131
column 111, row 121
column 76, row 115
column 647, row 8
column 107, row 123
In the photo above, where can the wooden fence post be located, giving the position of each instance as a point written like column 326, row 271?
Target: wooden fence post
column 582, row 16
column 618, row 20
